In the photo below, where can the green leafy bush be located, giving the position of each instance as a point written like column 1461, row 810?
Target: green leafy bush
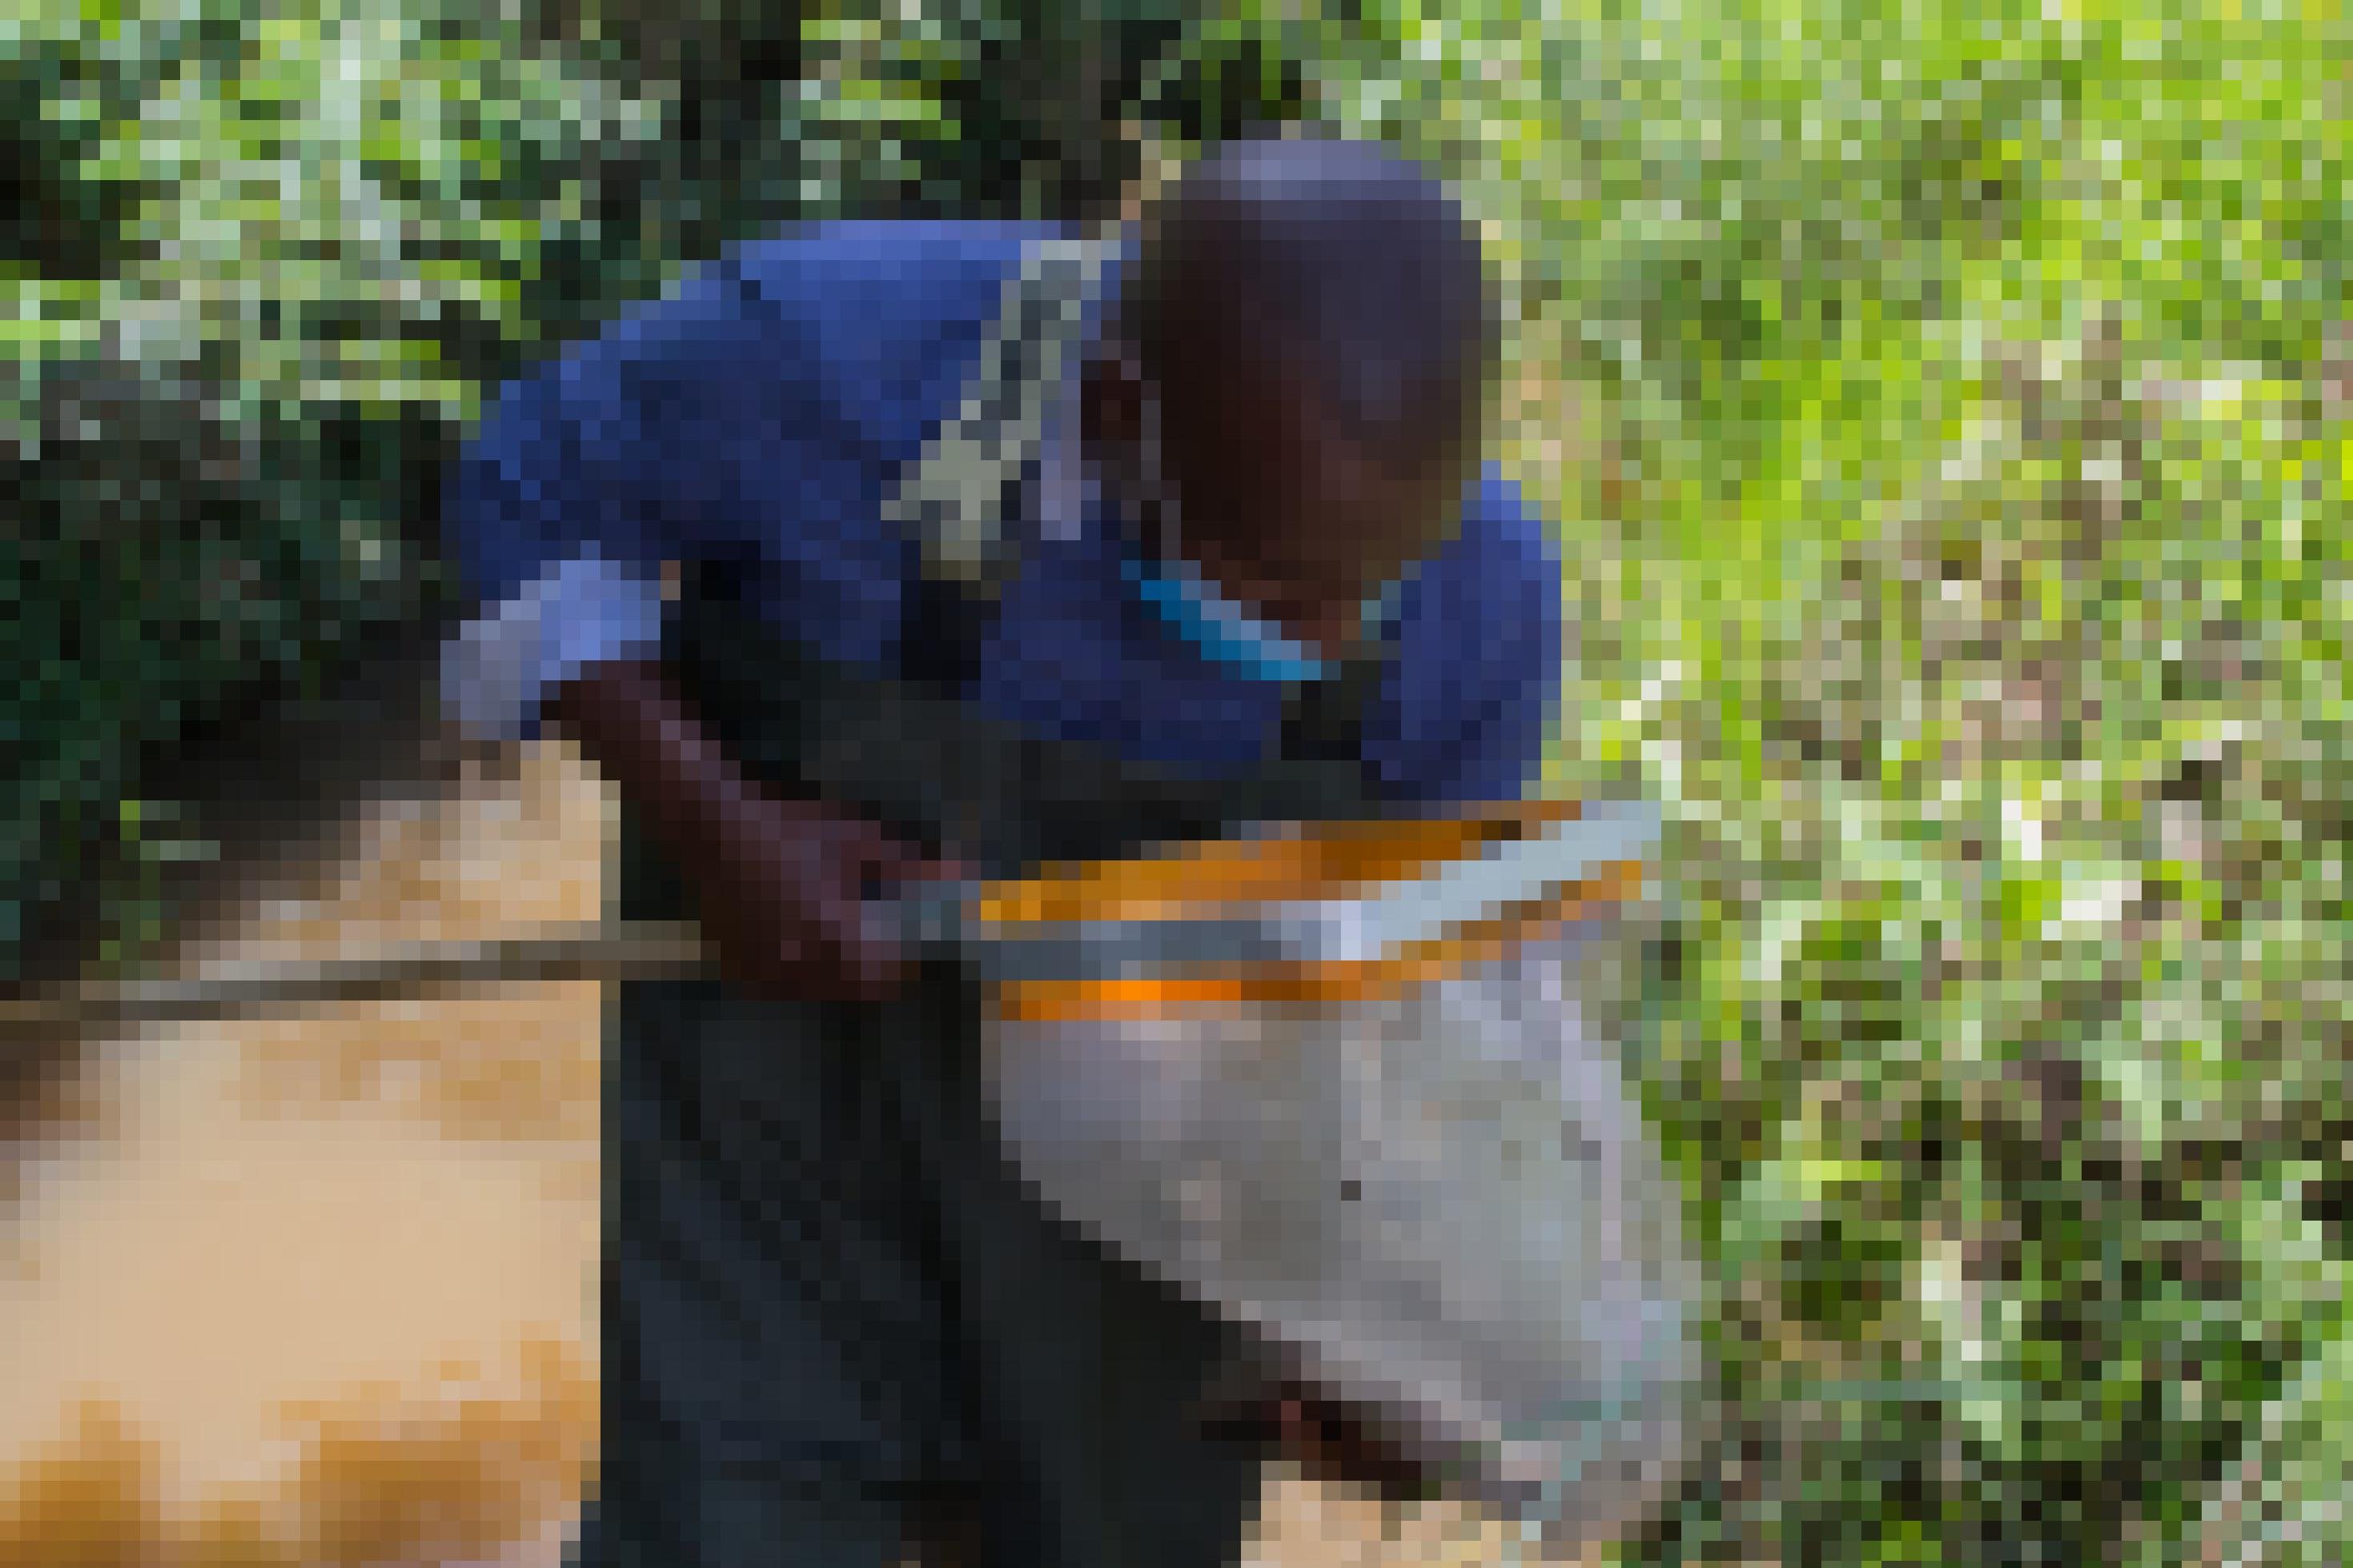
column 268, row 260
column 265, row 265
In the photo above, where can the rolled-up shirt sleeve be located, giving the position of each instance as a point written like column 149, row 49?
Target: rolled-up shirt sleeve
column 559, row 516
column 559, row 465
column 498, row 670
column 753, row 415
column 696, row 425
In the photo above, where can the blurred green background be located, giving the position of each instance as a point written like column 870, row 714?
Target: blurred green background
column 1946, row 415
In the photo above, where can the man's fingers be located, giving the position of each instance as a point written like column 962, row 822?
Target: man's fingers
column 884, row 862
column 949, row 868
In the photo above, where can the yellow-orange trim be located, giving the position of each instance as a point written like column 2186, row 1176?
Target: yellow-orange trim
column 1325, row 861
column 1220, row 988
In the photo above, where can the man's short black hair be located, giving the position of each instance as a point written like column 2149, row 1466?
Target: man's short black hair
column 1342, row 260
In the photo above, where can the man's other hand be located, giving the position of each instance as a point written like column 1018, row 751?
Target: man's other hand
column 1327, row 1439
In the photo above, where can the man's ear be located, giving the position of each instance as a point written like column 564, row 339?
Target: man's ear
column 1111, row 415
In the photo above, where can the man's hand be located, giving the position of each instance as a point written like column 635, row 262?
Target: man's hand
column 1331, row 1442
column 1327, row 1439
column 782, row 885
column 788, row 905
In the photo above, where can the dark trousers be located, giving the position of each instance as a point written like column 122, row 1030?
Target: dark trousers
column 832, row 1312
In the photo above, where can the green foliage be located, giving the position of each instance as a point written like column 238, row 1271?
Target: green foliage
column 1946, row 407
column 265, row 264
column 1957, row 548
column 267, row 261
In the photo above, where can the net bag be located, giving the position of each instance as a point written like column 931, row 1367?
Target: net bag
column 1400, row 1155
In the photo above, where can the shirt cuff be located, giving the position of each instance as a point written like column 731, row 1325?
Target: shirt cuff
column 497, row 670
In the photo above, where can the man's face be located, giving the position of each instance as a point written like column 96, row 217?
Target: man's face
column 1278, row 504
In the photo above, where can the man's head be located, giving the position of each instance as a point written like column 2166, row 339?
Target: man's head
column 1295, row 386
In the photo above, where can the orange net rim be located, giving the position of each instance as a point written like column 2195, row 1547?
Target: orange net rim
column 1320, row 862
column 1232, row 989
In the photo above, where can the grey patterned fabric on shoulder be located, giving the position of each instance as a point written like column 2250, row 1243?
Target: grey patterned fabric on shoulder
column 957, row 499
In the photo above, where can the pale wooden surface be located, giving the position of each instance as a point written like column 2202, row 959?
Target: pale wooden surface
column 326, row 1276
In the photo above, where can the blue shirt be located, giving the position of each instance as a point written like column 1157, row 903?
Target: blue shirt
column 759, row 412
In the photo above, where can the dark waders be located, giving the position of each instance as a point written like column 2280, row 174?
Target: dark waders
column 829, row 1305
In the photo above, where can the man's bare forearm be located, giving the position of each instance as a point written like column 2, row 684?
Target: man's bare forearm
column 632, row 722
column 777, row 880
